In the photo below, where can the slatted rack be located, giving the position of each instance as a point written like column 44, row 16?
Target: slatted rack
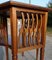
column 32, row 33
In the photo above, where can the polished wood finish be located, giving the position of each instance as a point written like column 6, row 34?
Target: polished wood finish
column 13, row 32
column 43, row 35
column 32, row 33
column 23, row 5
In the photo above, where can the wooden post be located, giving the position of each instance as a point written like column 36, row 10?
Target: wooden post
column 13, row 32
column 43, row 34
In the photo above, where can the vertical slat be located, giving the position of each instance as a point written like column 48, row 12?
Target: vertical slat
column 23, row 34
column 38, row 33
column 19, row 41
column 41, row 19
column 37, row 50
column 33, row 28
column 13, row 20
column 39, row 30
column 43, row 34
column 20, row 34
column 32, row 20
column 36, row 22
column 28, row 30
column 22, row 19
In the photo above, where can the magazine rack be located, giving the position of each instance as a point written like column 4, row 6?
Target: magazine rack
column 32, row 31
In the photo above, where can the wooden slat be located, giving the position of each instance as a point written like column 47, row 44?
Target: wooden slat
column 37, row 50
column 39, row 30
column 41, row 20
column 36, row 22
column 20, row 34
column 33, row 28
column 22, row 19
column 33, row 20
column 38, row 34
column 28, row 30
column 23, row 34
column 36, row 26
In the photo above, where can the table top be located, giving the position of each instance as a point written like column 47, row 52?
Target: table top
column 23, row 5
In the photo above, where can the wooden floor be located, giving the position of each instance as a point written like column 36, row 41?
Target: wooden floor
column 30, row 55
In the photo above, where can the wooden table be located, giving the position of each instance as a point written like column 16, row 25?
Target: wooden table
column 33, row 27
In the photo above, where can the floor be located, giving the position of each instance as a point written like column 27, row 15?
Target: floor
column 30, row 55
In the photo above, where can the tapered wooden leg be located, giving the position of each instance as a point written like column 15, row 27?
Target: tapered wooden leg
column 14, row 32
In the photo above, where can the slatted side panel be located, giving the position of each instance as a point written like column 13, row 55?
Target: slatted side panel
column 29, row 30
column 3, row 34
column 3, row 31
